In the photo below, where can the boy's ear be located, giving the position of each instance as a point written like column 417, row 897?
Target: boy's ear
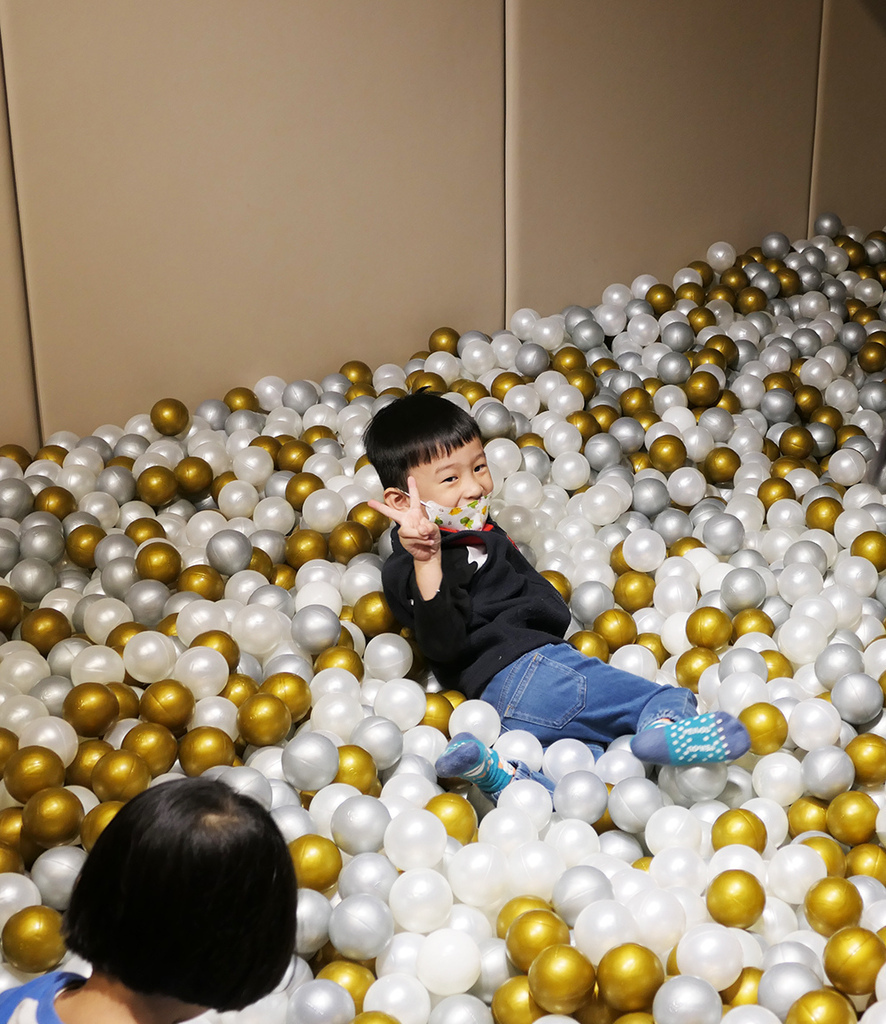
column 396, row 498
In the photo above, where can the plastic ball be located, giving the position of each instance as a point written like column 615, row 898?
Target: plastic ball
column 628, row 977
column 687, row 1000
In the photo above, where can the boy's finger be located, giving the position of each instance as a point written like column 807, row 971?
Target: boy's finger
column 385, row 510
column 414, row 499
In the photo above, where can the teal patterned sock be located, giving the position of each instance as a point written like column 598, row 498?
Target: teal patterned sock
column 704, row 739
column 467, row 758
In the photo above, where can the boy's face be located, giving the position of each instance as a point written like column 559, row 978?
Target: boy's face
column 451, row 480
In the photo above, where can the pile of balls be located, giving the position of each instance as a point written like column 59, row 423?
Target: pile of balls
column 694, row 466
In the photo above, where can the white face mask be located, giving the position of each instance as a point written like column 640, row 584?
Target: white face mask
column 471, row 516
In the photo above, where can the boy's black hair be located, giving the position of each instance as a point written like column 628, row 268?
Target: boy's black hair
column 190, row 893
column 414, row 430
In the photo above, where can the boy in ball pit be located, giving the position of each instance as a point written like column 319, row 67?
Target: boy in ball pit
column 492, row 627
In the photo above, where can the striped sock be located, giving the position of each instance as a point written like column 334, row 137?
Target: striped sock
column 467, row 758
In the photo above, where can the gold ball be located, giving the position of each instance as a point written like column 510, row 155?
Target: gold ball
column 661, row 297
column 778, row 665
column 667, row 453
column 81, row 544
column 156, row 486
column 300, row 486
column 89, row 753
column 241, row 398
column 455, row 698
column 120, row 775
column 8, row 746
column 767, row 726
column 458, row 816
column 317, row 862
column 851, row 818
column 561, row 979
column 374, row 1017
column 867, row 859
column 44, row 628
column 616, row 627
column 709, row 627
column 559, row 582
column 356, row 371
column 10, row 860
column 31, row 769
column 19, row 455
column 822, row 513
column 438, row 712
column 743, row 991
column 628, row 976
column 868, row 755
column 58, row 501
column 11, row 834
column 144, row 529
column 830, row 852
column 807, row 814
column 292, row 455
column 52, row 817
column 168, row 703
column 353, row 978
column 735, row 898
column 852, row 959
column 96, row 821
column 373, row 615
column 91, row 708
column 340, row 656
column 154, row 744
column 591, row 644
column 292, row 690
column 513, row 1002
column 239, row 688
column 263, row 720
column 202, row 580
column 831, row 904
column 532, row 932
column 720, row 465
column 224, row 643
column 821, row 1006
column 203, row 748
column 159, row 560
column 169, row 416
column 514, row 908
column 32, row 940
column 752, row 620
column 11, row 609
column 691, row 664
column 739, row 827
column 796, row 442
column 773, row 490
column 702, row 389
column 652, row 642
column 505, row 381
column 870, row 545
column 444, row 339
column 193, row 476
column 127, row 699
column 348, row 539
column 374, row 521
column 304, row 545
column 122, row 634
column 356, row 767
column 634, row 590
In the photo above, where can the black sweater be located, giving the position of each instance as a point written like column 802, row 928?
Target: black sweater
column 481, row 619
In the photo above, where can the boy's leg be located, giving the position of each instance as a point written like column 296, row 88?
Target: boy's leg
column 466, row 757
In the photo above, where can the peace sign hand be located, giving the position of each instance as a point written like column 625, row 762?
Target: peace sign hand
column 418, row 535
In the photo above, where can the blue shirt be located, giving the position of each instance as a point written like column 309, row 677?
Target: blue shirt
column 34, row 1002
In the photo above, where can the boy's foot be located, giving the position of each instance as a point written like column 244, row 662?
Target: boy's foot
column 715, row 736
column 465, row 757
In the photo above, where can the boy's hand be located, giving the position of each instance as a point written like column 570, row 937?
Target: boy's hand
column 418, row 535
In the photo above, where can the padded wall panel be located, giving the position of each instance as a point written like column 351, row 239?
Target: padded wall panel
column 18, row 409
column 640, row 132
column 850, row 145
column 213, row 190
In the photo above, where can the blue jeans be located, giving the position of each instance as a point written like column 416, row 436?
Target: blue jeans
column 556, row 692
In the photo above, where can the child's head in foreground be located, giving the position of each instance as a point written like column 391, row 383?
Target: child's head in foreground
column 434, row 441
column 188, row 893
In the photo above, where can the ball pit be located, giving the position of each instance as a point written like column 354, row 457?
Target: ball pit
column 692, row 464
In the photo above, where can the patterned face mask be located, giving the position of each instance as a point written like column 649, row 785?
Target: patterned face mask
column 471, row 516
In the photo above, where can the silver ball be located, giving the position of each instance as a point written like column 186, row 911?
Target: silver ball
column 532, row 359
column 117, row 481
column 52, row 691
column 72, row 578
column 806, row 551
column 574, row 315
column 825, row 438
column 678, row 337
column 536, row 461
column 118, row 576
column 578, row 887
column 581, row 795
column 748, row 559
column 44, row 542
column 835, row 661
column 249, row 665
column 77, row 620
column 16, row 499
column 214, row 412
column 743, row 659
column 494, row 420
column 602, row 451
column 275, row 487
column 132, row 445
column 873, row 396
column 783, row 984
column 686, row 1000
column 62, row 655
column 672, row 525
column 272, row 596
column 229, row 551
column 743, row 588
column 55, row 872
column 32, row 579
column 673, row 368
column 827, row 771
column 777, row 405
column 807, row 341
column 719, row 422
column 370, row 873
column 115, row 545
column 828, row 224
column 300, row 395
column 315, row 627
column 75, row 519
column 858, row 697
column 775, row 245
column 629, row 434
column 650, row 496
column 147, row 599
column 312, row 915
column 810, row 277
column 723, row 534
column 244, row 419
column 381, row 738
column 590, row 599
column 777, row 609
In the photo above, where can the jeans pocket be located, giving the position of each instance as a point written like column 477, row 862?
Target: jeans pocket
column 544, row 693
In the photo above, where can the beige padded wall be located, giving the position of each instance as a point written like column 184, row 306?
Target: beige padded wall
column 850, row 146
column 640, row 132
column 212, row 190
column 18, row 410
